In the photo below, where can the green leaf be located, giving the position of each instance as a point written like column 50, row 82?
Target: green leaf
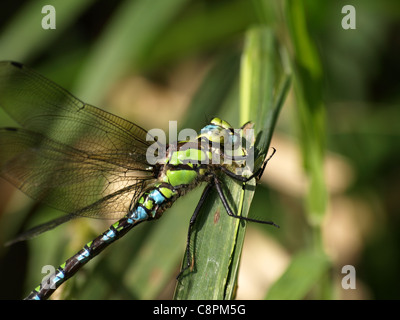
column 217, row 238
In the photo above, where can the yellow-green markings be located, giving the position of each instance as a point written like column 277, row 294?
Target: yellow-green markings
column 187, row 156
column 167, row 192
column 117, row 227
column 181, row 177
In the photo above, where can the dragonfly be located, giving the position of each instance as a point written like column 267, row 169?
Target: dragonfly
column 87, row 162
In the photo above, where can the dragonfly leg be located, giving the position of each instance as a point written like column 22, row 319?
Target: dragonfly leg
column 256, row 174
column 218, row 185
column 191, row 223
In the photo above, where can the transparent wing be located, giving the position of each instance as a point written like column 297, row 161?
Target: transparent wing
column 69, row 179
column 42, row 106
column 69, row 155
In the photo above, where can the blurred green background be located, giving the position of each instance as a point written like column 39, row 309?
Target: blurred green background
column 332, row 185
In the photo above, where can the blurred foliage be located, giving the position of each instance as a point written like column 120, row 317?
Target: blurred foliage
column 152, row 61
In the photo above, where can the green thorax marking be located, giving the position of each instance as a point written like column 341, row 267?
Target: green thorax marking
column 177, row 177
column 182, row 165
column 190, row 155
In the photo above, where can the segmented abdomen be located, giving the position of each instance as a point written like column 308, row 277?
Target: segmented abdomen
column 151, row 205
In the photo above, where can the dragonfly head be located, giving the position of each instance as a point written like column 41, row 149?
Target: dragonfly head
column 232, row 145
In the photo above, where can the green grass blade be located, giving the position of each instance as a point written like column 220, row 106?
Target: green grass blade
column 308, row 268
column 217, row 238
column 311, row 110
column 264, row 83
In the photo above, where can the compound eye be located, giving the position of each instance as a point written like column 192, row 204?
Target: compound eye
column 212, row 133
column 217, row 136
column 235, row 140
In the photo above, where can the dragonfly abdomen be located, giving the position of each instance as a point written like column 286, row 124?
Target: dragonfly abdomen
column 88, row 252
column 151, row 205
column 153, row 202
